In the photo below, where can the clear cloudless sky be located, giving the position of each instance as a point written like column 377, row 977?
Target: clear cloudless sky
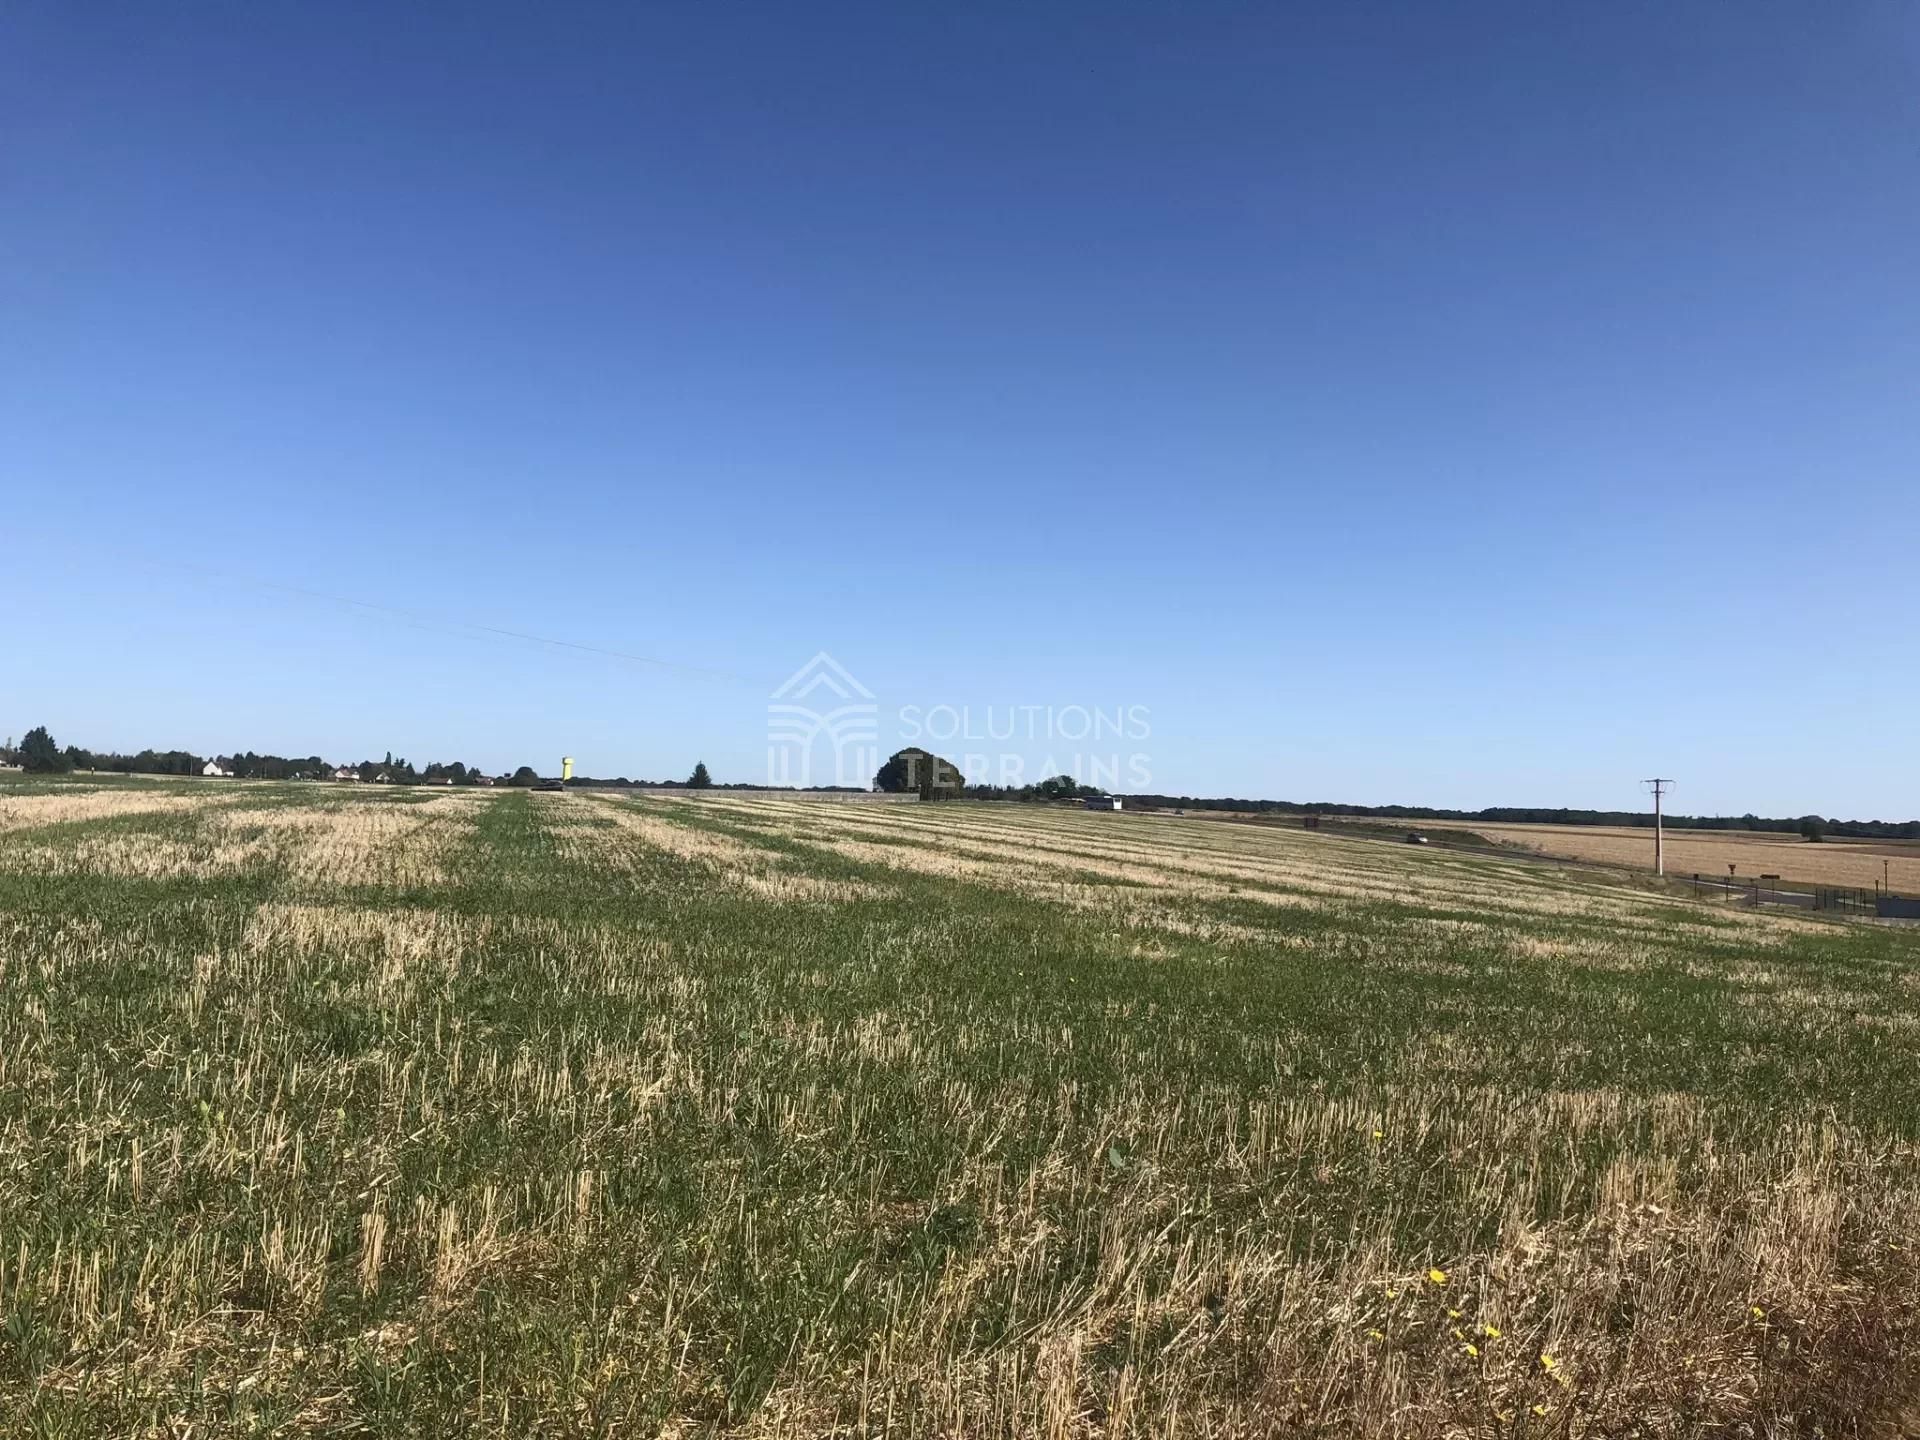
column 1464, row 405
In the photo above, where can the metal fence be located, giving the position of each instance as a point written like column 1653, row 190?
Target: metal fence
column 1748, row 890
column 1845, row 899
column 1836, row 899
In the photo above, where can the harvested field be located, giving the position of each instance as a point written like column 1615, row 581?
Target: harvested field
column 349, row 1112
column 1709, row 852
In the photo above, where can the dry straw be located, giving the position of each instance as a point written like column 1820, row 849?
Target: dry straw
column 519, row 1114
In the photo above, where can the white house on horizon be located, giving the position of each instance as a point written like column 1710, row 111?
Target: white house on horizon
column 214, row 767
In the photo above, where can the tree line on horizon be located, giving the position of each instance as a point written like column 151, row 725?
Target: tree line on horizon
column 1818, row 825
column 39, row 753
column 936, row 778
column 913, row 769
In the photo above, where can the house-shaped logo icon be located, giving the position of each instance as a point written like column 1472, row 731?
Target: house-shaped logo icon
column 822, row 701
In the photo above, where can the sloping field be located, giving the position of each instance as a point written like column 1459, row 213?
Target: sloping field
column 345, row 1112
column 1709, row 852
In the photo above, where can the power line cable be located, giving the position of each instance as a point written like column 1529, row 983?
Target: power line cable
column 426, row 620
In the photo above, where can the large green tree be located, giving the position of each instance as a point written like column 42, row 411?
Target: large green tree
column 40, row 754
column 1065, row 787
column 700, row 779
column 921, row 772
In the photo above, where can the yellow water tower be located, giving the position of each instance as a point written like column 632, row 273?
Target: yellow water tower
column 566, row 768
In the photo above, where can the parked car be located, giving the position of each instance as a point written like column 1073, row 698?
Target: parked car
column 1415, row 839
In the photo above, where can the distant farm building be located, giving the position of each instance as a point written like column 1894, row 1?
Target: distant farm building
column 214, row 767
column 1102, row 802
column 343, row 772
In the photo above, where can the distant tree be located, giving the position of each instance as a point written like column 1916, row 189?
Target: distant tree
column 169, row 762
column 920, row 772
column 1064, row 787
column 524, row 776
column 1813, row 828
column 40, row 754
column 700, row 779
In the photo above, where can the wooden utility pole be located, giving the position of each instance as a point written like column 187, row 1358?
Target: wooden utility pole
column 1659, row 856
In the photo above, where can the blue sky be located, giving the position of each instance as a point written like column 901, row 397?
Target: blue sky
column 1464, row 406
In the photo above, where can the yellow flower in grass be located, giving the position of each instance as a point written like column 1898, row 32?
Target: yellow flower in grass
column 1473, row 1350
column 1492, row 1332
column 1453, row 1314
column 1539, row 1409
column 1375, row 1335
column 1437, row 1275
column 1547, row 1362
column 1758, row 1313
